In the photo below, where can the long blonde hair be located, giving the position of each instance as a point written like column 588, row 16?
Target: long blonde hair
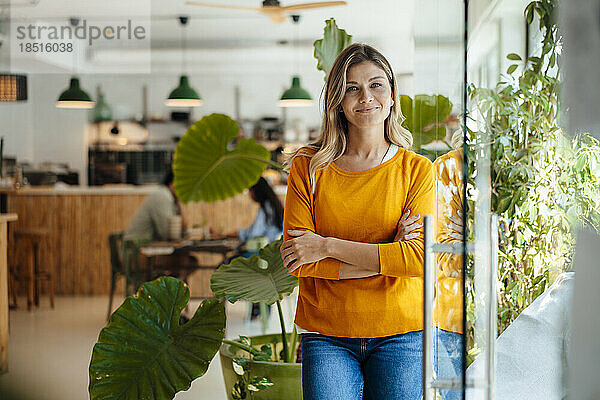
column 332, row 142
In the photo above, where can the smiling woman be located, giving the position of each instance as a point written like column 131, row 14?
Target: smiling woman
column 353, row 238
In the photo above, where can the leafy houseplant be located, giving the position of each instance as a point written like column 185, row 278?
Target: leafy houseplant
column 125, row 362
column 259, row 278
column 542, row 182
column 425, row 116
column 145, row 353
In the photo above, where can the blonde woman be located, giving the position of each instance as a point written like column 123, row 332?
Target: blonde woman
column 352, row 236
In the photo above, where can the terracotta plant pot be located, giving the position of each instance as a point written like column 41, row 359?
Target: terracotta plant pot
column 287, row 377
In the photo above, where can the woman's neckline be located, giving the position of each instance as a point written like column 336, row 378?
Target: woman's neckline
column 393, row 153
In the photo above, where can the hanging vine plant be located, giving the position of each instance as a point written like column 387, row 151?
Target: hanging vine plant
column 543, row 184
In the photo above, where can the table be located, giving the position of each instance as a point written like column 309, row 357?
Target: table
column 222, row 247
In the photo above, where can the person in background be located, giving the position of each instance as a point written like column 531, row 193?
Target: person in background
column 269, row 219
column 151, row 220
column 151, row 223
column 268, row 223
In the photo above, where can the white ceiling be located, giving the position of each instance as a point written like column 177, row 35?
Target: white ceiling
column 364, row 18
column 390, row 25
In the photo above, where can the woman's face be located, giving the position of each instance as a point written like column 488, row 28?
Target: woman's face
column 368, row 95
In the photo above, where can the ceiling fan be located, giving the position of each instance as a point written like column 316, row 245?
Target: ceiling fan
column 272, row 8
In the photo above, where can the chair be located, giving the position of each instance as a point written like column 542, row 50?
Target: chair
column 35, row 274
column 124, row 261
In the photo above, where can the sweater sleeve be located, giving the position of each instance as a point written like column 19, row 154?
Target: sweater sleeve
column 298, row 215
column 448, row 195
column 405, row 259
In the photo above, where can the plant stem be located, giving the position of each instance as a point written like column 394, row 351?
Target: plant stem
column 242, row 346
column 293, row 345
column 270, row 162
column 283, row 334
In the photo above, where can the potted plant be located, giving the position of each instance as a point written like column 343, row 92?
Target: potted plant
column 267, row 361
column 145, row 353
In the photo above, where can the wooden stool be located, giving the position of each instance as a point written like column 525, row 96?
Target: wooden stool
column 34, row 276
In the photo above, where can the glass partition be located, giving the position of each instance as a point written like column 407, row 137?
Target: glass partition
column 520, row 181
column 536, row 178
column 439, row 98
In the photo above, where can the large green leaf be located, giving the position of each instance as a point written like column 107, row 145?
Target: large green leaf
column 206, row 170
column 144, row 353
column 423, row 114
column 327, row 49
column 258, row 279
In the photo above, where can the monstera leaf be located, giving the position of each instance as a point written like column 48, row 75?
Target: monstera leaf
column 144, row 353
column 327, row 49
column 206, row 169
column 423, row 114
column 258, row 279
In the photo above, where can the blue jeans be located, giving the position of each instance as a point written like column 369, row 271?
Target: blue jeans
column 447, row 361
column 385, row 368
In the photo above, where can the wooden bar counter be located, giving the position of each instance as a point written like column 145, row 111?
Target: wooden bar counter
column 79, row 221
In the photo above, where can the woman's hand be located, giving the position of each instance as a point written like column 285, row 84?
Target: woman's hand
column 306, row 247
column 455, row 226
column 406, row 226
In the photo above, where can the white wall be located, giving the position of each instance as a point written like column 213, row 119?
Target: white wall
column 37, row 131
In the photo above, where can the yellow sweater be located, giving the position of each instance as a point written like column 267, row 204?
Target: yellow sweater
column 364, row 207
column 448, row 189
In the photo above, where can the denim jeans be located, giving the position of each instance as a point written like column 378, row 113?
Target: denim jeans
column 447, row 360
column 385, row 368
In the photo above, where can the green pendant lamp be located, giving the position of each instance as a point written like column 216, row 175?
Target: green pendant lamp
column 184, row 95
column 295, row 96
column 74, row 97
column 102, row 111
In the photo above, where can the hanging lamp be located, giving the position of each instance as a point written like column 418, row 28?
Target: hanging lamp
column 183, row 95
column 295, row 96
column 13, row 88
column 74, row 97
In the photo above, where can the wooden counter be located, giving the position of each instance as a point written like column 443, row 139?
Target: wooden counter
column 4, row 219
column 80, row 220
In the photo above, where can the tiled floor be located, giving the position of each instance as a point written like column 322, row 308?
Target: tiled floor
column 50, row 350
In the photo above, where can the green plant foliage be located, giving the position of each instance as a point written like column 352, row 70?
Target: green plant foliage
column 327, row 49
column 245, row 384
column 206, row 169
column 542, row 183
column 144, row 353
column 424, row 117
column 258, row 279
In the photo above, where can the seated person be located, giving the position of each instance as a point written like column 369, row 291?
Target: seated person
column 269, row 218
column 151, row 220
column 268, row 222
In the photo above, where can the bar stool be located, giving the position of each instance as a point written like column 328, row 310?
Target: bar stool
column 35, row 275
